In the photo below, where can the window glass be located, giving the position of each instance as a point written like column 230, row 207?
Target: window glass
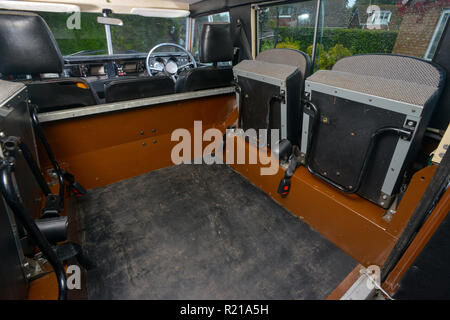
column 286, row 26
column 138, row 33
column 198, row 24
column 437, row 34
column 88, row 36
column 349, row 27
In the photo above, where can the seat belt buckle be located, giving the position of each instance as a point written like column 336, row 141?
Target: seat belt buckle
column 78, row 189
column 284, row 187
column 52, row 207
column 75, row 186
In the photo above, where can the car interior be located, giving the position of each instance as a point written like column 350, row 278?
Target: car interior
column 88, row 140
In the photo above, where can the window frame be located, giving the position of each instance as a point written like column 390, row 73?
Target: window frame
column 436, row 34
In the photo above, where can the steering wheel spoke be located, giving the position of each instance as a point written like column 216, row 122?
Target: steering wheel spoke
column 156, row 69
column 185, row 65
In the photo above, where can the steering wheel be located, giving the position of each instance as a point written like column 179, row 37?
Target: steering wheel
column 170, row 67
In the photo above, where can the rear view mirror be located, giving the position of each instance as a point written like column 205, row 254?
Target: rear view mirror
column 110, row 21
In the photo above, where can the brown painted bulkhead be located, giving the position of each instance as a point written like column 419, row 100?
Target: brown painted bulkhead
column 105, row 148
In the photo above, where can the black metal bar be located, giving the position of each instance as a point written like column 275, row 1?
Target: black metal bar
column 13, row 201
column 11, row 144
column 405, row 134
column 51, row 156
column 34, row 168
column 240, row 102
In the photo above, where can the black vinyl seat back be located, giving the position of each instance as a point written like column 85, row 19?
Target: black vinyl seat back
column 28, row 47
column 59, row 94
column 215, row 45
column 129, row 89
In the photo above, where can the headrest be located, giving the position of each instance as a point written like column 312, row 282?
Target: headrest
column 216, row 44
column 27, row 45
column 290, row 57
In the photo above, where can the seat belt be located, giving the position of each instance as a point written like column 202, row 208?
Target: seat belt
column 241, row 42
column 62, row 175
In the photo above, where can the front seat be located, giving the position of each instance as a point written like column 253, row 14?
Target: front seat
column 215, row 45
column 137, row 88
column 27, row 47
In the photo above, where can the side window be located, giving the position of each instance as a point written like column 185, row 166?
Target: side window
column 286, row 26
column 198, row 23
column 349, row 27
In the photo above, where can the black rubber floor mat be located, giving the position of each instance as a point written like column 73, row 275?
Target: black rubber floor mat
column 202, row 232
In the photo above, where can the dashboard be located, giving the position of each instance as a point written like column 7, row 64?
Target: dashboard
column 119, row 65
column 101, row 69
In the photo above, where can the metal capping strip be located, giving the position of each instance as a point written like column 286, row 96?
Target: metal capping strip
column 259, row 77
column 305, row 133
column 131, row 104
column 13, row 97
column 398, row 158
column 380, row 102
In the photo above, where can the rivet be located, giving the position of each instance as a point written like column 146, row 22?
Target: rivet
column 144, row 144
column 142, row 133
column 2, row 134
column 153, row 130
column 154, row 141
column 384, row 197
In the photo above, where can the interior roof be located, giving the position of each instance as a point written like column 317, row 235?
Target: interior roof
column 123, row 6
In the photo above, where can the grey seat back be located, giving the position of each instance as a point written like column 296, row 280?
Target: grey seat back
column 291, row 57
column 371, row 113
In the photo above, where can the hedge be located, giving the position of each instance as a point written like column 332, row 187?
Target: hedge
column 356, row 40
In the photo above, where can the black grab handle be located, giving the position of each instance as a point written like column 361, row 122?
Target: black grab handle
column 7, row 167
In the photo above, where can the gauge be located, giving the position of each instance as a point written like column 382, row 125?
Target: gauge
column 158, row 64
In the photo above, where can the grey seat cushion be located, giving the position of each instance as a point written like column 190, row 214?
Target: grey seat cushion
column 399, row 90
column 395, row 77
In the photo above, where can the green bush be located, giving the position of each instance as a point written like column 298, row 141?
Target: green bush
column 336, row 53
column 358, row 41
column 328, row 59
column 289, row 44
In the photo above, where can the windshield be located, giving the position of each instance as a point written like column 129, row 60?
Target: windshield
column 84, row 36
